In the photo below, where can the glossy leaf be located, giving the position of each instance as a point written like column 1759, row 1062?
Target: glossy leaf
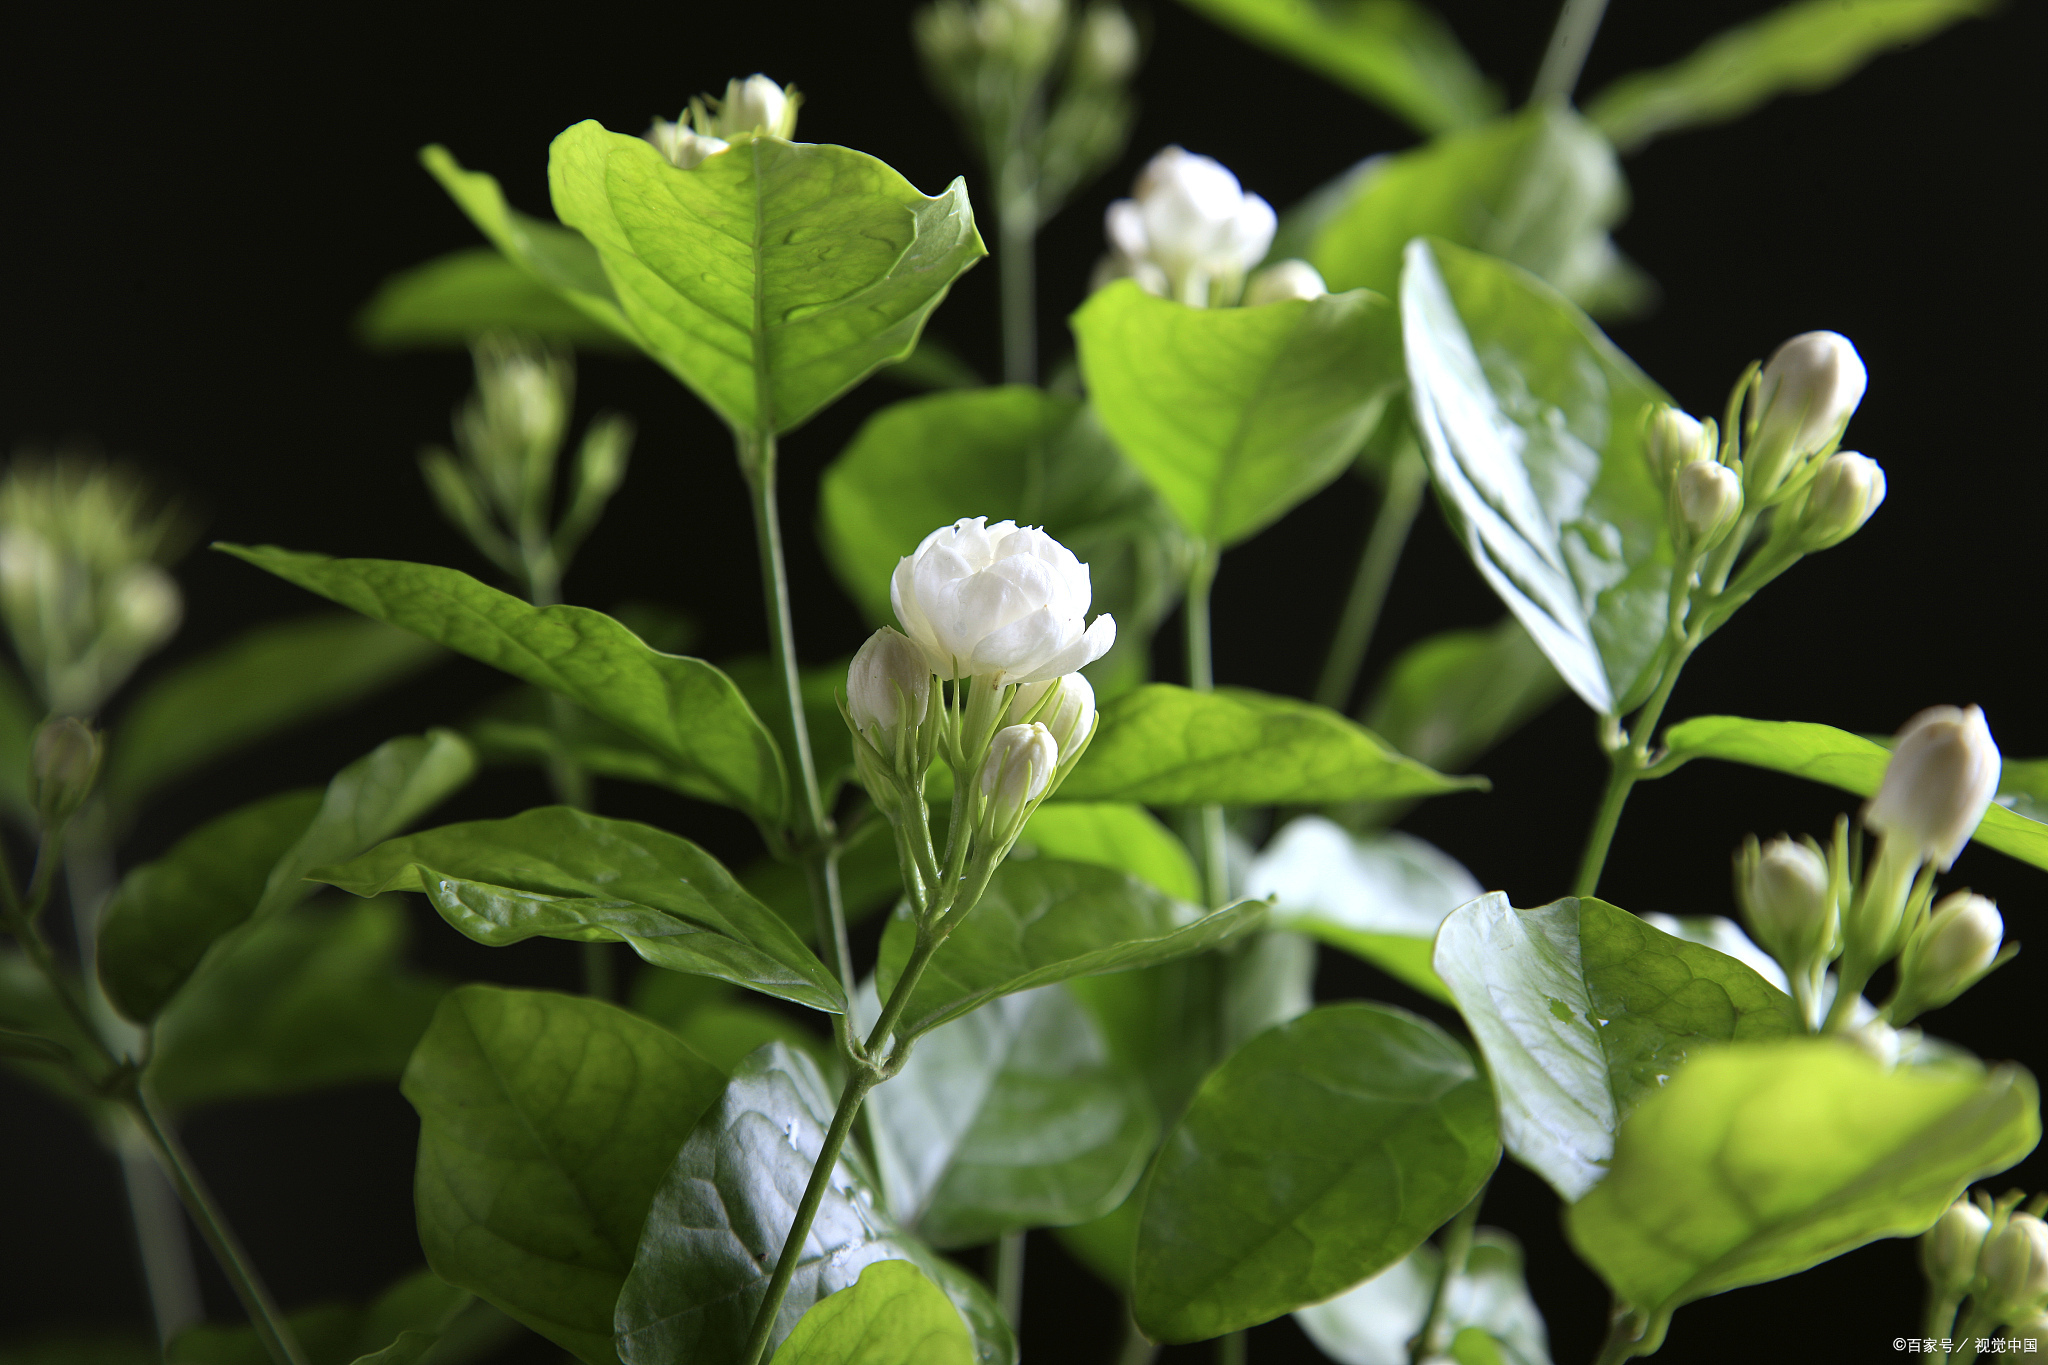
column 451, row 299
column 1581, row 1010
column 1393, row 52
column 546, row 1124
column 1380, row 897
column 1042, row 921
column 1756, row 1162
column 1017, row 453
column 891, row 1315
column 1319, row 1153
column 1169, row 746
column 1797, row 48
column 683, row 708
column 723, row 1212
column 773, row 277
column 1532, row 421
column 1113, row 834
column 1012, row 1117
column 1235, row 415
column 1452, row 696
column 1821, row 753
column 560, row 873
column 1372, row 1323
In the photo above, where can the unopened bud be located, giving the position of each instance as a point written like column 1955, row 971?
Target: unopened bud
column 1673, row 439
column 1876, row 1040
column 888, row 688
column 1289, row 279
column 1803, row 400
column 1070, row 717
column 64, row 762
column 1788, row 898
column 1949, row 1250
column 758, row 105
column 1106, row 48
column 1942, row 775
column 1019, row 767
column 1957, row 945
column 684, row 146
column 1708, row 499
column 1841, row 498
column 2015, row 1266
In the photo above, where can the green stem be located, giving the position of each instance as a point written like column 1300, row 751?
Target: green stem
column 1016, row 240
column 1138, row 1349
column 1211, row 834
column 1570, row 41
column 1941, row 1314
column 1009, row 1277
column 1623, row 1336
column 1627, row 758
column 1433, row 1340
column 1399, row 503
column 1230, row 1349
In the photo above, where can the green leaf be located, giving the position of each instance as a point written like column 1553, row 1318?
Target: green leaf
column 1017, row 453
column 302, row 1000
column 263, row 681
column 1756, row 1162
column 559, row 873
column 891, row 1315
column 1372, row 1323
column 1397, row 54
column 1796, row 48
column 1319, row 1153
column 1380, row 897
column 1540, row 188
column 711, row 1016
column 1533, row 425
column 932, row 364
column 1821, row 753
column 41, row 1028
column 421, row 1307
column 451, row 299
column 723, row 1212
column 1450, row 697
column 167, row 913
column 773, row 277
column 1169, row 746
column 1112, row 834
column 1042, row 921
column 16, row 1045
column 1581, row 1010
column 682, row 708
column 1012, row 1117
column 546, row 1124
column 1235, row 415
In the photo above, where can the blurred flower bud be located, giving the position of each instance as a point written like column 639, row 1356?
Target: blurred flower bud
column 1841, row 498
column 145, row 608
column 1953, row 950
column 1105, row 46
column 1070, row 716
column 889, row 689
column 1673, row 439
column 1018, row 770
column 2015, row 1268
column 1003, row 602
column 1189, row 217
column 1289, row 279
column 1949, row 1249
column 684, row 147
column 1788, row 898
column 757, row 105
column 1875, row 1039
column 1708, row 499
column 1803, row 399
column 64, row 762
column 1942, row 775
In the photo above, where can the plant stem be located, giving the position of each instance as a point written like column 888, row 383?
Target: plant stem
column 1399, row 503
column 1230, row 1349
column 1016, row 240
column 1570, row 41
column 1213, row 847
column 1138, row 1349
column 1627, row 758
column 1009, row 1277
column 1622, row 1339
column 1433, row 1338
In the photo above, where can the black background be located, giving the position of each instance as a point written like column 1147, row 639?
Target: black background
column 198, row 201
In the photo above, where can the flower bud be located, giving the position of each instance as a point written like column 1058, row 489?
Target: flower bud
column 1105, row 47
column 684, row 147
column 1957, row 945
column 1708, row 499
column 1189, row 217
column 1003, row 602
column 64, row 762
column 757, row 105
column 1942, row 775
column 1876, row 1040
column 1949, row 1250
column 1787, row 896
column 1019, row 767
column 2015, row 1267
column 1803, row 399
column 1289, row 279
column 1070, row 716
column 888, row 688
column 1841, row 498
column 1673, row 439
column 144, row 608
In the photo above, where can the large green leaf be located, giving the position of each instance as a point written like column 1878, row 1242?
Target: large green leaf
column 720, row 1218
column 1169, row 746
column 1237, row 414
column 1372, row 1323
column 1532, row 421
column 1798, row 47
column 263, row 681
column 1114, row 834
column 1821, row 753
column 451, row 299
column 1017, row 453
column 1393, row 52
column 1319, row 1153
column 1450, row 697
column 555, row 872
column 1042, row 921
column 1581, row 1010
column 891, row 1315
column 1012, row 1117
column 1539, row 188
column 302, row 1000
column 1756, row 1162
column 546, row 1124
column 774, row 276
column 684, row 709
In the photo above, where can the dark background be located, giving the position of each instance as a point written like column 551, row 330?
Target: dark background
column 199, row 202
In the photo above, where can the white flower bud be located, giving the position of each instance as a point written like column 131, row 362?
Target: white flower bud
column 757, row 105
column 1288, row 279
column 684, row 147
column 1788, row 898
column 1841, row 498
column 1949, row 1250
column 2015, row 1266
column 1003, row 602
column 1106, row 48
column 1070, row 717
column 888, row 686
column 1953, row 950
column 1019, row 767
column 144, row 608
column 1673, row 439
column 1804, row 398
column 1942, row 775
column 1189, row 217
column 1708, row 499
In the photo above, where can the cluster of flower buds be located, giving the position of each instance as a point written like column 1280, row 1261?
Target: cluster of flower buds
column 753, row 107
column 1190, row 232
column 1994, row 1254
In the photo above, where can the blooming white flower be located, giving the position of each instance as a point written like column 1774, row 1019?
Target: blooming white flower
column 1192, row 222
column 1288, row 279
column 1843, row 494
column 1002, row 602
column 1805, row 396
column 888, row 684
column 1942, row 775
column 1019, row 767
column 1070, row 718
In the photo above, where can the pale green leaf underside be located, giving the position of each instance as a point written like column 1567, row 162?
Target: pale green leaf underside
column 451, row 299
